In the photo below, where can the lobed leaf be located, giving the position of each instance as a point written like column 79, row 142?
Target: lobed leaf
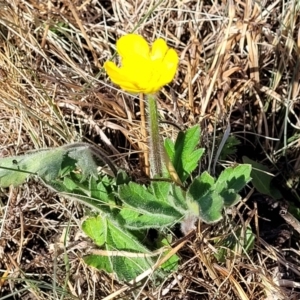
column 137, row 197
column 183, row 154
column 231, row 181
column 203, row 200
column 126, row 256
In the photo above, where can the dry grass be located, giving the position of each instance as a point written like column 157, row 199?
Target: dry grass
column 239, row 71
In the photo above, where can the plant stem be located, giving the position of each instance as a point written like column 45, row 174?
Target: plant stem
column 155, row 142
column 144, row 159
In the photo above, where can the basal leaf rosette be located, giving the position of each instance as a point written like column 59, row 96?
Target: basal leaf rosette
column 143, row 69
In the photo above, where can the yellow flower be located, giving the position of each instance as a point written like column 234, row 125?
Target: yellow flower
column 143, row 70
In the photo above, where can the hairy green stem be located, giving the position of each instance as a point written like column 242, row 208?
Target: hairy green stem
column 156, row 165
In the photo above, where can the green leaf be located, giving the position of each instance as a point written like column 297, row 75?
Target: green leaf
column 142, row 209
column 231, row 181
column 122, row 177
column 236, row 177
column 99, row 262
column 203, row 200
column 95, row 228
column 170, row 149
column 16, row 169
column 171, row 265
column 210, row 207
column 164, row 240
column 49, row 164
column 73, row 183
column 261, row 179
column 133, row 220
column 177, row 198
column 69, row 184
column 137, row 197
column 201, row 185
column 101, row 189
column 126, row 256
column 161, row 190
column 183, row 155
column 230, row 197
column 93, row 193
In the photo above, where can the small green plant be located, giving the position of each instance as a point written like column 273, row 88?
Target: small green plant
column 122, row 211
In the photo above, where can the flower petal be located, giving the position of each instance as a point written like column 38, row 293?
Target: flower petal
column 159, row 49
column 131, row 45
column 119, row 77
column 168, row 67
column 138, row 69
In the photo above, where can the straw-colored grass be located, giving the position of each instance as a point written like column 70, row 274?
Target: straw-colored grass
column 238, row 72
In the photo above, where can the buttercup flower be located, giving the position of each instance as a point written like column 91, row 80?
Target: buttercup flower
column 143, row 70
